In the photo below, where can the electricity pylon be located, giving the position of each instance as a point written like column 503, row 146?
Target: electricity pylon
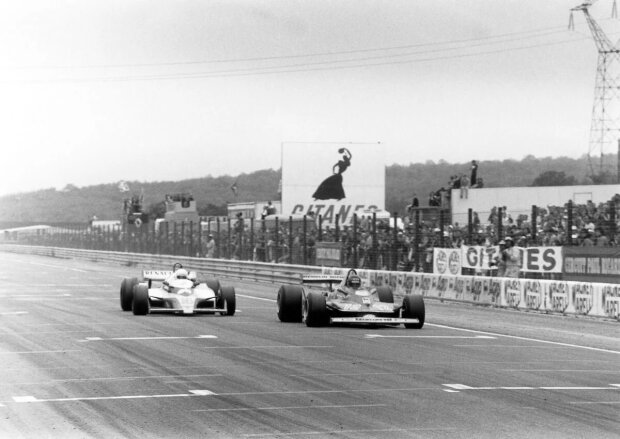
column 605, row 125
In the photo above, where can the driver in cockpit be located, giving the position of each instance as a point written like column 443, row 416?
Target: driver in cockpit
column 352, row 284
column 179, row 273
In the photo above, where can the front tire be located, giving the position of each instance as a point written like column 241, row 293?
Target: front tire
column 214, row 285
column 413, row 308
column 289, row 303
column 314, row 310
column 141, row 306
column 229, row 299
column 127, row 286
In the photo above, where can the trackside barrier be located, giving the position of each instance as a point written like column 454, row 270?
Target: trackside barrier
column 566, row 297
column 231, row 269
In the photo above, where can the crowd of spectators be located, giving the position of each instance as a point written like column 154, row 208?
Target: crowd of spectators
column 379, row 247
column 462, row 182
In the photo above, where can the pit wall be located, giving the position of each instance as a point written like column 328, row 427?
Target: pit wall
column 563, row 297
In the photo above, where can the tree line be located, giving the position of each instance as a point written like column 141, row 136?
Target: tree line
column 73, row 204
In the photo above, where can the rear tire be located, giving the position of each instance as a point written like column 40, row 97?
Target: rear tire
column 229, row 299
column 413, row 308
column 289, row 303
column 314, row 310
column 385, row 294
column 127, row 292
column 141, row 306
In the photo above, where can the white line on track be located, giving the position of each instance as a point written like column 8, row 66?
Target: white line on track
column 458, row 387
column 129, row 378
column 256, row 298
column 304, row 407
column 52, row 266
column 30, row 399
column 563, row 370
column 47, row 286
column 325, row 433
column 12, row 313
column 203, row 392
column 570, row 345
column 323, row 392
column 41, row 352
column 21, row 296
column 526, row 346
column 87, row 339
column 594, row 402
column 430, row 336
column 269, row 347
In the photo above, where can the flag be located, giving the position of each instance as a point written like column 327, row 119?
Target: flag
column 234, row 188
column 123, row 186
column 280, row 187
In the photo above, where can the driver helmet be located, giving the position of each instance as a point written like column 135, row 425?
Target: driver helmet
column 354, row 281
column 181, row 274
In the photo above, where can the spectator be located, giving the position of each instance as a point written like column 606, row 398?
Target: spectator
column 512, row 258
column 210, row 247
column 499, row 260
column 474, row 173
column 464, row 186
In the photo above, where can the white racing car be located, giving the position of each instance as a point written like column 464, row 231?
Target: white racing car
column 176, row 291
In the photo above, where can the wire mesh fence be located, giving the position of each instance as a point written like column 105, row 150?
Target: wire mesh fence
column 390, row 243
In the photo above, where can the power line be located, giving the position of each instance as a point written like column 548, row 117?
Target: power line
column 315, row 66
column 534, row 33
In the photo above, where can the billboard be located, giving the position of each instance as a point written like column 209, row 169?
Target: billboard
column 330, row 179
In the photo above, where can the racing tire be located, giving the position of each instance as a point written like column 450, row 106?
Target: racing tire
column 314, row 310
column 140, row 305
column 229, row 298
column 413, row 308
column 213, row 284
column 127, row 286
column 289, row 303
column 385, row 294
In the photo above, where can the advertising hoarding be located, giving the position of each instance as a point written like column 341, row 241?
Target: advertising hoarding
column 330, row 179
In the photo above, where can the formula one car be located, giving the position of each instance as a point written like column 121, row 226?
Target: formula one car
column 176, row 291
column 349, row 302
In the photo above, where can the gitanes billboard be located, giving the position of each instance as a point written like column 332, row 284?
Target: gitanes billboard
column 332, row 179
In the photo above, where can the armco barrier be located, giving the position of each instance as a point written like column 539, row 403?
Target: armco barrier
column 578, row 298
column 231, row 269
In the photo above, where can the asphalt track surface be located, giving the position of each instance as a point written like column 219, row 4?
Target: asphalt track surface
column 74, row 365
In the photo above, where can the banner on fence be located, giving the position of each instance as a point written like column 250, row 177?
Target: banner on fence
column 533, row 259
column 592, row 264
column 328, row 254
column 447, row 261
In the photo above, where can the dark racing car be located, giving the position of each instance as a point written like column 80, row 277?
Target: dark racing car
column 349, row 303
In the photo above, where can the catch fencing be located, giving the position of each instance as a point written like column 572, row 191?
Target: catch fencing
column 390, row 243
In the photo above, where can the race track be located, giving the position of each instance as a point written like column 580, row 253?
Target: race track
column 74, row 365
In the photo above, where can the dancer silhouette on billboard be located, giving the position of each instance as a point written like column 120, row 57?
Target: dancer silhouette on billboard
column 331, row 188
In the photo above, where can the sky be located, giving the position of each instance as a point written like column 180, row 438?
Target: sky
column 99, row 91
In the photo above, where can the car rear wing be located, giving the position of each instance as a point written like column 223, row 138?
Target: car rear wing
column 158, row 275
column 322, row 279
column 161, row 275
